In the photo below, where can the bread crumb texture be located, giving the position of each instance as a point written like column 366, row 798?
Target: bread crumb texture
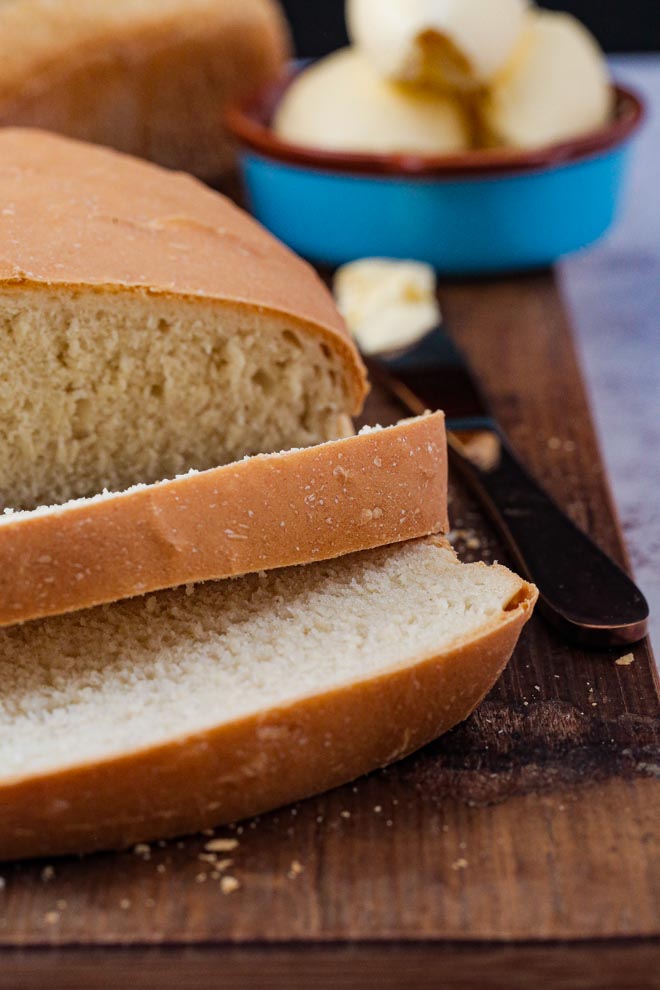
column 142, row 389
column 149, row 326
column 118, row 678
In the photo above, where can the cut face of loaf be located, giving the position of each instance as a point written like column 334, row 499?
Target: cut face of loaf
column 148, row 327
column 235, row 697
column 101, row 392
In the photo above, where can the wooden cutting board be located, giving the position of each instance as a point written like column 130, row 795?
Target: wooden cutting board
column 532, row 824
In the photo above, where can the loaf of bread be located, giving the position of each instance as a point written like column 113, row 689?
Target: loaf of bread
column 149, row 77
column 149, row 327
column 190, row 708
column 274, row 510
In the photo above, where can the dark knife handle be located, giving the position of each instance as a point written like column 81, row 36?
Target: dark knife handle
column 582, row 591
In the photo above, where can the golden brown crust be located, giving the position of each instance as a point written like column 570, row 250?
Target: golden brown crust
column 150, row 78
column 261, row 513
column 77, row 216
column 259, row 762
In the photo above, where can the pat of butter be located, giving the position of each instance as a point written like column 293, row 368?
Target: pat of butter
column 556, row 87
column 387, row 304
column 456, row 43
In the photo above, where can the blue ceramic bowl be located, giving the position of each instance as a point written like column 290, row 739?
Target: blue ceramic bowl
column 477, row 212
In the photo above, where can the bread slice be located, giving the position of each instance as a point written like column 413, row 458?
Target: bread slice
column 189, row 708
column 149, row 77
column 273, row 510
column 149, row 326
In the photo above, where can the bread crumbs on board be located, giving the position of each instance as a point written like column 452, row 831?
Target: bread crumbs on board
column 295, row 869
column 229, row 884
column 221, row 845
column 625, row 661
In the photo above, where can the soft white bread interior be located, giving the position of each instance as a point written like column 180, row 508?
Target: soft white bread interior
column 149, row 326
column 149, row 77
column 190, row 708
column 274, row 510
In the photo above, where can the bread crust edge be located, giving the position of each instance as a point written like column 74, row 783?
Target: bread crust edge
column 260, row 762
column 266, row 512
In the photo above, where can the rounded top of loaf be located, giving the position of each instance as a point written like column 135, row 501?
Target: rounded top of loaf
column 37, row 34
column 79, row 216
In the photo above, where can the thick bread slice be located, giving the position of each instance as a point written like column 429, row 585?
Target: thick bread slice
column 149, row 77
column 166, row 714
column 274, row 510
column 149, row 326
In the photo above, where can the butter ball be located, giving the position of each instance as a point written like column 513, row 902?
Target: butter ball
column 341, row 103
column 446, row 43
column 556, row 87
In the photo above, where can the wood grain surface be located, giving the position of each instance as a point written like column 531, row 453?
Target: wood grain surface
column 535, row 821
column 622, row 966
column 613, row 291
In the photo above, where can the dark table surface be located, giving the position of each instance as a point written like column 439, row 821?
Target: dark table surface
column 613, row 291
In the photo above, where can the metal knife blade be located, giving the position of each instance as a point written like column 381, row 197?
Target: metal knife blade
column 582, row 591
column 438, row 376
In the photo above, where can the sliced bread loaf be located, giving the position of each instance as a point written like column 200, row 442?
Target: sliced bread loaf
column 150, row 77
column 273, row 510
column 190, row 708
column 149, row 326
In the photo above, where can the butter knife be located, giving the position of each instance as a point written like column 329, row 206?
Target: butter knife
column 582, row 591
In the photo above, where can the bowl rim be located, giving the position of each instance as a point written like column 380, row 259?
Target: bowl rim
column 249, row 122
